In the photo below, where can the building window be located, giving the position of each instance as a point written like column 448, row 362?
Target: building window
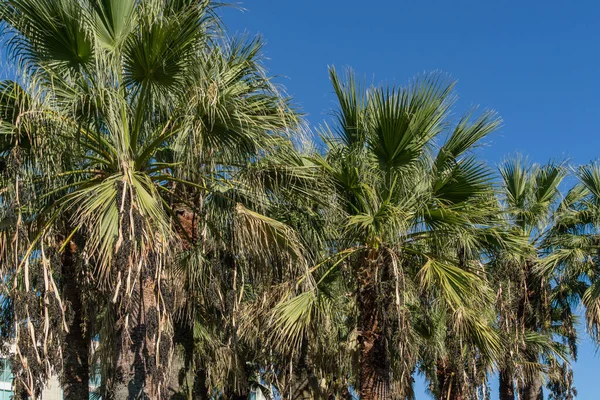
column 6, row 379
column 5, row 372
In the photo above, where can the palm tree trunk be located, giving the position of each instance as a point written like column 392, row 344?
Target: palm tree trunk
column 507, row 389
column 200, row 388
column 448, row 387
column 374, row 362
column 137, row 374
column 532, row 390
column 305, row 384
column 76, row 373
column 186, row 376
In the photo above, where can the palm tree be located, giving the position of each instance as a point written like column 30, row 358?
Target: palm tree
column 138, row 110
column 574, row 261
column 457, row 358
column 399, row 200
column 578, row 251
column 246, row 246
column 533, row 299
column 454, row 358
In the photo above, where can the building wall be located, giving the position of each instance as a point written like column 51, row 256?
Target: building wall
column 52, row 391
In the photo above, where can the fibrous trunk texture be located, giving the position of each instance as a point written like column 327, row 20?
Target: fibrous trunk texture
column 448, row 386
column 507, row 389
column 76, row 375
column 374, row 361
column 305, row 385
column 187, row 379
column 532, row 390
column 138, row 376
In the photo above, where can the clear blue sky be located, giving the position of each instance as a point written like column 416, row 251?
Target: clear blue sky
column 535, row 62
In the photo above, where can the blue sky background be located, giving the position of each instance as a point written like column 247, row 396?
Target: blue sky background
column 535, row 62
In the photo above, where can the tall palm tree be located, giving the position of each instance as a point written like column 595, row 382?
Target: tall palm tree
column 139, row 110
column 574, row 261
column 533, row 301
column 578, row 251
column 400, row 200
